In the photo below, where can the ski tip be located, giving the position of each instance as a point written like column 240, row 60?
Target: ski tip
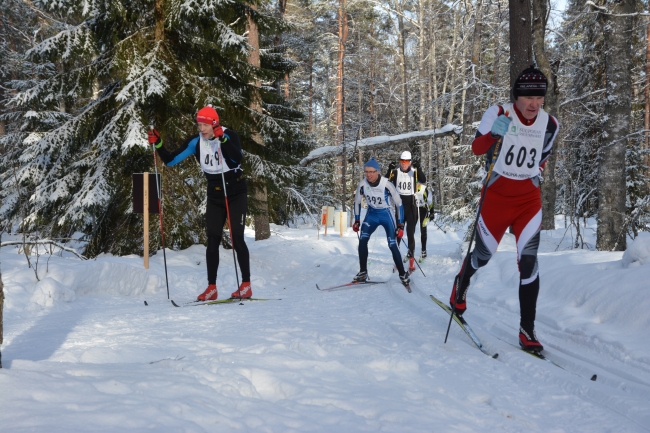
column 145, row 303
column 495, row 356
column 317, row 287
column 594, row 377
column 174, row 303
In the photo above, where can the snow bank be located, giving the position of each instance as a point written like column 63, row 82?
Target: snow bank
column 638, row 251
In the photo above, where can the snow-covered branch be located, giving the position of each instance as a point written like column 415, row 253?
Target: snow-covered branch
column 379, row 142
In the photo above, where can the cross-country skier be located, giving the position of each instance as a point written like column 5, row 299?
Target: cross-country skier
column 424, row 202
column 513, row 198
column 219, row 153
column 406, row 179
column 381, row 198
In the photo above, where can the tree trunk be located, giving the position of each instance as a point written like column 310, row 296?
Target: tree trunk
column 469, row 114
column 549, row 188
column 521, row 53
column 401, row 42
column 159, row 17
column 617, row 29
column 261, row 219
column 340, row 98
column 646, row 122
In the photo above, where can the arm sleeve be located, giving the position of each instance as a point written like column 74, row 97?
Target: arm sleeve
column 231, row 148
column 398, row 202
column 484, row 140
column 552, row 129
column 357, row 201
column 172, row 158
column 421, row 177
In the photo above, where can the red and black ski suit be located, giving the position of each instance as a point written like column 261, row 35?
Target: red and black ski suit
column 513, row 196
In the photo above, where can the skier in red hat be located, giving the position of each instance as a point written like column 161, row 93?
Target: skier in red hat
column 218, row 151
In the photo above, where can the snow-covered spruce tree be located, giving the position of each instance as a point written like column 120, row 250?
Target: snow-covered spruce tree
column 119, row 68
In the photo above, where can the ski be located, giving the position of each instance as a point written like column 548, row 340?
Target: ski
column 219, row 301
column 349, row 285
column 465, row 327
column 540, row 355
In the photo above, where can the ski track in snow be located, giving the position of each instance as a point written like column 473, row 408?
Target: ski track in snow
column 83, row 353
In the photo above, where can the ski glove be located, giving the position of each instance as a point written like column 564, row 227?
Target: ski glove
column 399, row 232
column 500, row 126
column 432, row 214
column 154, row 138
column 355, row 226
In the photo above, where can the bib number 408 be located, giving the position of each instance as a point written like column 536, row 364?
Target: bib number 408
column 522, row 155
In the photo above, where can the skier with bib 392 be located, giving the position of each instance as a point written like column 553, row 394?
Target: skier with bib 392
column 407, row 179
column 219, row 153
column 512, row 196
column 381, row 197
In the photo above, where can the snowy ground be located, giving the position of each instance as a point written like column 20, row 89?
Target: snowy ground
column 83, row 353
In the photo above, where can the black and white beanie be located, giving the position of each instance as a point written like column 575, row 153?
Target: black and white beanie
column 531, row 82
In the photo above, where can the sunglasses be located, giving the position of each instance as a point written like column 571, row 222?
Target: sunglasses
column 404, row 160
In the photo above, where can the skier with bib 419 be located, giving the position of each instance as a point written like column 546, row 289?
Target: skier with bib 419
column 512, row 196
column 381, row 197
column 218, row 151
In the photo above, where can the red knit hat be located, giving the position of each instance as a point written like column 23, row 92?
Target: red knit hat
column 207, row 115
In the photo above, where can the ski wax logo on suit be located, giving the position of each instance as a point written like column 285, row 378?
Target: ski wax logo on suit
column 513, row 130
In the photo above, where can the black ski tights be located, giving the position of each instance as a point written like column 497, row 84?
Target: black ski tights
column 216, row 217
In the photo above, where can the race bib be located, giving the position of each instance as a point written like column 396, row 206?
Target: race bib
column 405, row 182
column 521, row 149
column 376, row 195
column 211, row 162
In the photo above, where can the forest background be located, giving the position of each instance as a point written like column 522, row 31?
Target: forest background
column 82, row 81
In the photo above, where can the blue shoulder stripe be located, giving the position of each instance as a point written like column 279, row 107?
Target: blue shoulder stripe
column 189, row 151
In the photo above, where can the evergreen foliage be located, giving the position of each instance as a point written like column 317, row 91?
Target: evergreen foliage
column 107, row 75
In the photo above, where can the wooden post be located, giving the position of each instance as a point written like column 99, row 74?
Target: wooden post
column 145, row 217
column 325, row 218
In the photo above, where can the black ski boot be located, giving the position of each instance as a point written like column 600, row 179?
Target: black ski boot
column 361, row 277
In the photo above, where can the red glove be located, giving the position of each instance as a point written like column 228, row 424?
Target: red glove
column 154, row 137
column 400, row 231
column 218, row 130
column 355, row 226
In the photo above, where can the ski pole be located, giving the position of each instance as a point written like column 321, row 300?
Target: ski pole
column 160, row 213
column 232, row 238
column 416, row 262
column 471, row 239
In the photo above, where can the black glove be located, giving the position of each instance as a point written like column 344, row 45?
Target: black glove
column 432, row 214
column 415, row 164
column 391, row 166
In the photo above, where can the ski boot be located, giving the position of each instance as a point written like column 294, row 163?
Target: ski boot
column 244, row 291
column 361, row 277
column 406, row 281
column 461, row 304
column 210, row 294
column 527, row 338
column 423, row 256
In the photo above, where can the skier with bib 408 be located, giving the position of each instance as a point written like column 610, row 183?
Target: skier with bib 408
column 218, row 151
column 381, row 197
column 512, row 196
column 407, row 179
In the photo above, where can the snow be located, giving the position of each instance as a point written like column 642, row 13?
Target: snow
column 83, row 353
column 380, row 140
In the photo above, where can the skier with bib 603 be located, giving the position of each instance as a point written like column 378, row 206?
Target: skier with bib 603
column 381, row 198
column 218, row 151
column 512, row 196
column 407, row 179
